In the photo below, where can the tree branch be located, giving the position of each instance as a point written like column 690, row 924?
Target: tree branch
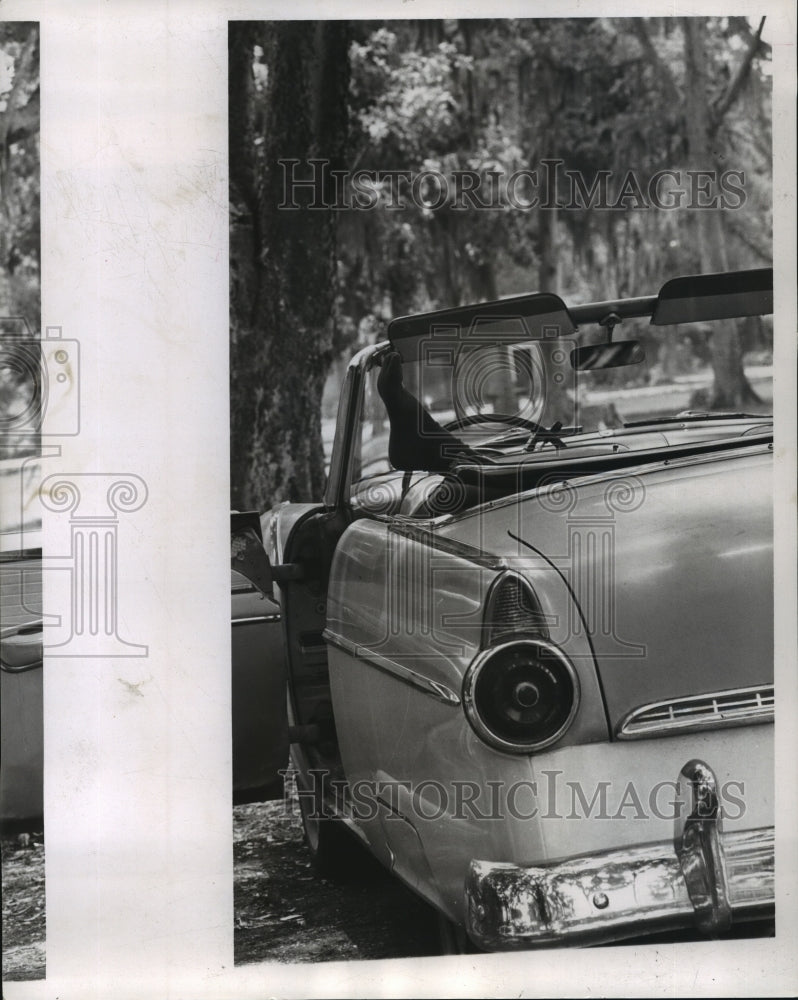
column 723, row 104
column 669, row 87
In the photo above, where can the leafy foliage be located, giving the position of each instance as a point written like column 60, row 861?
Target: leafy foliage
column 20, row 284
column 595, row 94
column 624, row 98
column 19, row 172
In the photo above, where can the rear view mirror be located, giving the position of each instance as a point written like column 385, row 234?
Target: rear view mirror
column 247, row 555
column 612, row 355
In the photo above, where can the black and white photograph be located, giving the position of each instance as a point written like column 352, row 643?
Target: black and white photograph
column 398, row 461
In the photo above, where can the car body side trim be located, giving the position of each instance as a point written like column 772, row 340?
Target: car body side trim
column 397, row 670
column 470, row 553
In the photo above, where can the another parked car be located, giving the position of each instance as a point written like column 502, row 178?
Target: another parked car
column 259, row 748
column 258, row 687
column 529, row 647
column 21, row 677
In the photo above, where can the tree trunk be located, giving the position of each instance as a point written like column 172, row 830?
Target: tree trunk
column 283, row 260
column 731, row 388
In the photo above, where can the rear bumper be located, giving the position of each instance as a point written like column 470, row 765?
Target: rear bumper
column 703, row 878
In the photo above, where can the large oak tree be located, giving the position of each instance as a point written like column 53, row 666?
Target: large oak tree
column 288, row 101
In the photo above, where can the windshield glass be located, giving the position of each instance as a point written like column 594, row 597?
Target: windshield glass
column 498, row 390
column 677, row 374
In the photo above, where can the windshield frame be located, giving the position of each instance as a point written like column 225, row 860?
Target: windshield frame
column 580, row 322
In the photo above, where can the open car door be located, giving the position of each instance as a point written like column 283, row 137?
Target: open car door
column 260, row 721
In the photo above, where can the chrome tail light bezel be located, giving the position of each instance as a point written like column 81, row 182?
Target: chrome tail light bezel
column 472, row 708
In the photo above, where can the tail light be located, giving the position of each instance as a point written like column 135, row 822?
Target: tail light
column 512, row 608
column 522, row 695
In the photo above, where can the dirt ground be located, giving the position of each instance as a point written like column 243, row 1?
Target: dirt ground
column 23, row 907
column 284, row 912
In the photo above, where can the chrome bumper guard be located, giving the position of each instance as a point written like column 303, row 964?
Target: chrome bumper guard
column 703, row 878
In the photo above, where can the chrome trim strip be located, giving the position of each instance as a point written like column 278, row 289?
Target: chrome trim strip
column 452, row 546
column 339, row 479
column 610, row 895
column 255, row 618
column 716, row 710
column 397, row 670
column 32, row 626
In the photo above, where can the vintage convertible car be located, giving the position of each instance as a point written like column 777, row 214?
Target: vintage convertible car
column 528, row 627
